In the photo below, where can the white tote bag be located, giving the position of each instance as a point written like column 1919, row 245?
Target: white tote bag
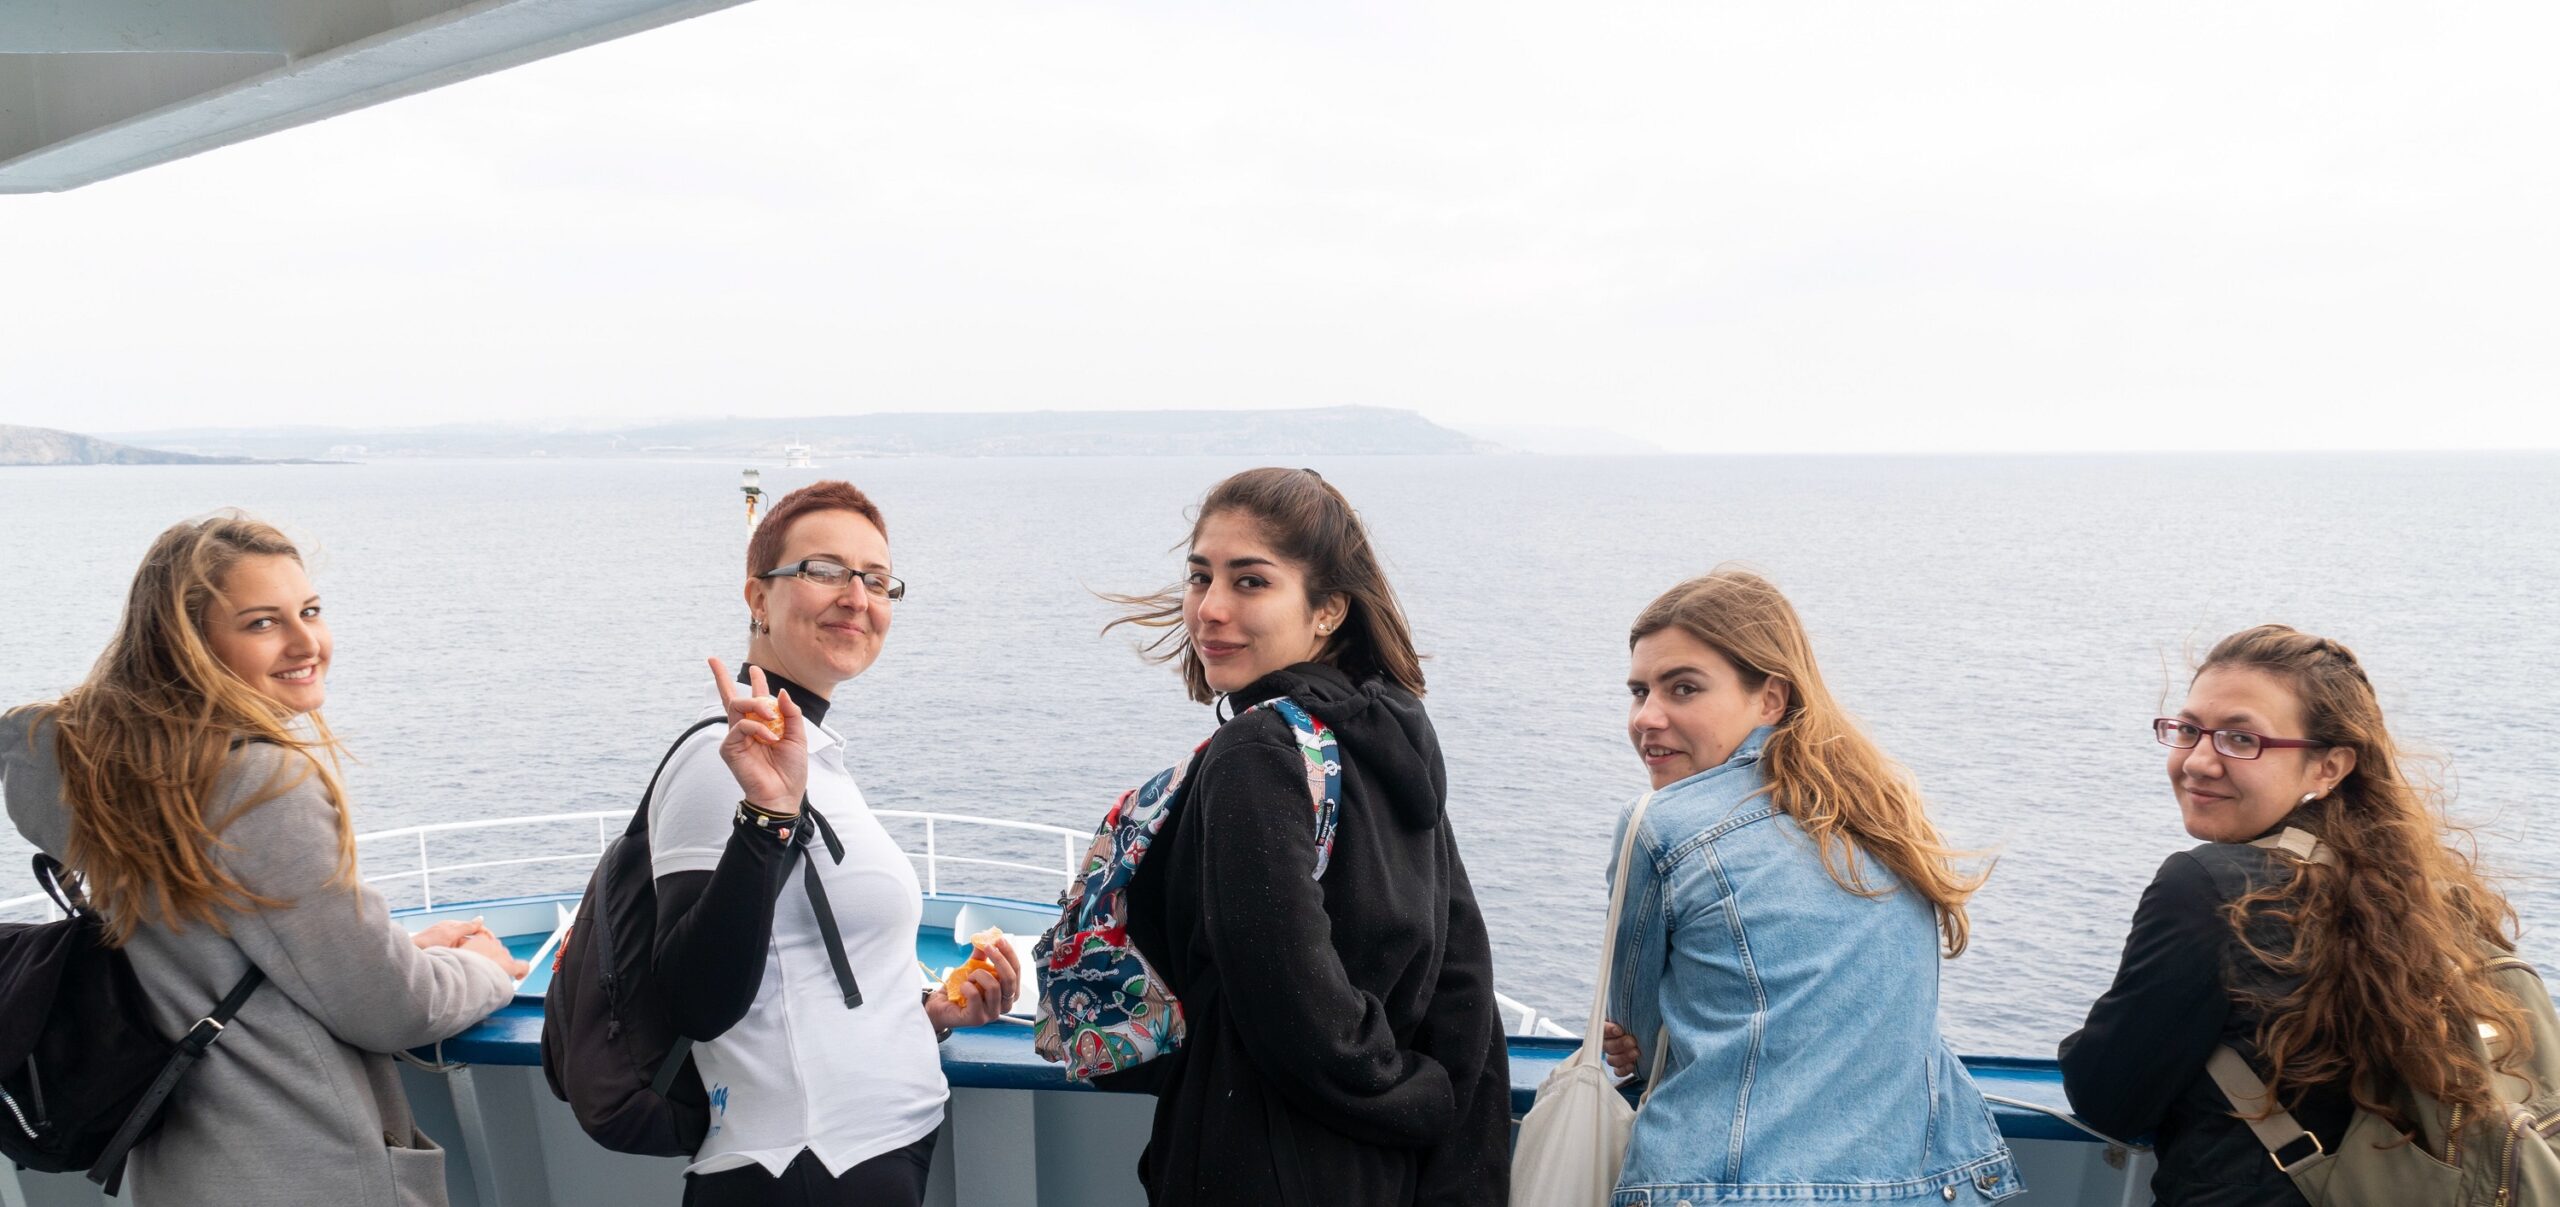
column 1574, row 1138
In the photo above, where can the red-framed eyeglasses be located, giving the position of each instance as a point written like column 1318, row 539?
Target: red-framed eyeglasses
column 2231, row 743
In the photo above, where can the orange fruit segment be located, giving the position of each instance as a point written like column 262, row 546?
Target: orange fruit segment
column 952, row 981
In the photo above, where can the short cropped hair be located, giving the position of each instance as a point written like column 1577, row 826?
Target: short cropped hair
column 764, row 549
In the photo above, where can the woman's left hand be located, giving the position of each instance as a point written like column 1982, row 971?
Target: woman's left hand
column 990, row 994
column 1619, row 1049
column 450, row 934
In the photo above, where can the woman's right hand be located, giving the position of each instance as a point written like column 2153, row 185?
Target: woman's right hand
column 772, row 771
column 1619, row 1049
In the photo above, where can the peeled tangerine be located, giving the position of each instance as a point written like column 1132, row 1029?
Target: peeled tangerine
column 984, row 940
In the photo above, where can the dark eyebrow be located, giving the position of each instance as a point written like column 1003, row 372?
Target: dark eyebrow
column 272, row 608
column 1669, row 674
column 2242, row 717
column 1233, row 563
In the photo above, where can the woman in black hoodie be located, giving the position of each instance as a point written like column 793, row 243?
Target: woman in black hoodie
column 1342, row 1041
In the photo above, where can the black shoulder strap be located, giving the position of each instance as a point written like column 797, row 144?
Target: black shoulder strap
column 673, row 1063
column 818, row 903
column 640, row 821
column 109, row 1171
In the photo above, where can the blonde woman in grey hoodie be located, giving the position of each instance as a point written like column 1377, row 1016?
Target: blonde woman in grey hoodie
column 192, row 785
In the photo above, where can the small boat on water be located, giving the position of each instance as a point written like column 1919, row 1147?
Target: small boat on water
column 1018, row 1133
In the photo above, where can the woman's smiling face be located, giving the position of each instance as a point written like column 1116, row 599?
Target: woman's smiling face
column 1688, row 709
column 2223, row 799
column 1245, row 605
column 265, row 626
column 817, row 635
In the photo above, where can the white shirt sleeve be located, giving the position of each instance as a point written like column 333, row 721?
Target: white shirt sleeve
column 693, row 809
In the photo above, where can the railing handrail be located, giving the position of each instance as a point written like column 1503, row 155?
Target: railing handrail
column 931, row 856
column 1073, row 840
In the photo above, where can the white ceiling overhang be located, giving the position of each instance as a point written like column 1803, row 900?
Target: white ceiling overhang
column 96, row 88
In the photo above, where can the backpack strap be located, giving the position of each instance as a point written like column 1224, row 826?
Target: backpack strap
column 677, row 1052
column 2289, row 1144
column 1324, row 754
column 109, row 1171
column 2300, row 843
column 818, row 902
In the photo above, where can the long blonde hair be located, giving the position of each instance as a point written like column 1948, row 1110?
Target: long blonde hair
column 2391, row 942
column 1822, row 770
column 144, row 739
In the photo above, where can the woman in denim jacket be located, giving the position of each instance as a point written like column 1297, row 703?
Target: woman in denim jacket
column 1786, row 902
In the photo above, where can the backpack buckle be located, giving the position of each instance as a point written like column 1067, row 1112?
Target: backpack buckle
column 201, row 1036
column 2288, row 1167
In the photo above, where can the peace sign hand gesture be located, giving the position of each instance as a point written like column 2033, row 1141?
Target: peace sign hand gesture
column 767, row 748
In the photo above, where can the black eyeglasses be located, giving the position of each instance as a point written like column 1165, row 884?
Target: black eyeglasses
column 2231, row 743
column 827, row 573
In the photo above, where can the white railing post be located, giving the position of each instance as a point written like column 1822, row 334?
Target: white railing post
column 1068, row 841
column 603, row 840
column 426, row 894
column 932, row 861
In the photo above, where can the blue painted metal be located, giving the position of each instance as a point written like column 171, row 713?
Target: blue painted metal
column 1000, row 1057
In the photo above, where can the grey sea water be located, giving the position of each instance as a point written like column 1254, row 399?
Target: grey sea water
column 524, row 637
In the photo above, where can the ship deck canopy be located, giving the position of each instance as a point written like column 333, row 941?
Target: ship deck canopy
column 91, row 89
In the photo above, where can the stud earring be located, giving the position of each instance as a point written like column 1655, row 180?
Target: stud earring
column 2309, row 797
column 756, row 624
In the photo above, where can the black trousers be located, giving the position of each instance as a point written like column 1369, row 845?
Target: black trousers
column 892, row 1179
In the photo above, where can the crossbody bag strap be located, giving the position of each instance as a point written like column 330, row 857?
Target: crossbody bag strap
column 1598, row 1026
column 109, row 1171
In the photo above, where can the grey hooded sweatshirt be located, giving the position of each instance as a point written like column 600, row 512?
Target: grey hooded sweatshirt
column 299, row 1102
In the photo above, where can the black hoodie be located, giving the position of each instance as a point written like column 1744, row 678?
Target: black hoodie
column 1343, row 1042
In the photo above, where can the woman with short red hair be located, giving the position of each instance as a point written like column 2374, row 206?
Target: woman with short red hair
column 786, row 915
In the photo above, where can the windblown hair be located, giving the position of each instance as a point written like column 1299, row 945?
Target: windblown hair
column 1822, row 770
column 2390, row 941
column 145, row 739
column 764, row 545
column 1308, row 522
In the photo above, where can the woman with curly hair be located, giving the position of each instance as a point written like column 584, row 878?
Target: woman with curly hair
column 2327, row 930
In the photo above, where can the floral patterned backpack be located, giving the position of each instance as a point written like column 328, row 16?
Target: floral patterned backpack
column 1102, row 1009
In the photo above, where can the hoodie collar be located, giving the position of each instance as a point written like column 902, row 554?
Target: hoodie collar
column 1384, row 732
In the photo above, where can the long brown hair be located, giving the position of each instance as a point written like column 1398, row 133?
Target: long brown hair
column 143, row 741
column 1309, row 522
column 2391, row 939
column 1822, row 770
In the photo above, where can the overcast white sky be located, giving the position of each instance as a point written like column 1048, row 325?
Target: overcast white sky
column 1829, row 226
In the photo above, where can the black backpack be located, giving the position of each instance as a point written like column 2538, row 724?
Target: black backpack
column 84, row 1075
column 608, row 1048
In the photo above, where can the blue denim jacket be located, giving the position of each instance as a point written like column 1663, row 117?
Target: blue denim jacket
column 1804, row 1061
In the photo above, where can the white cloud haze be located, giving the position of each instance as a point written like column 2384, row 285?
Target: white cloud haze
column 1829, row 227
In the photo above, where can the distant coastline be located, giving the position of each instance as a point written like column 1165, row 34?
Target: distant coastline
column 24, row 446
column 1324, row 431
